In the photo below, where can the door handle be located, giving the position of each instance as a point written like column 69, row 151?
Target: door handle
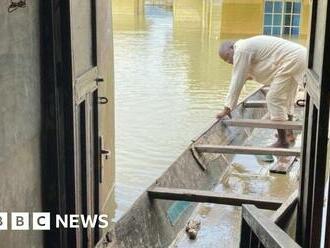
column 102, row 153
column 106, row 153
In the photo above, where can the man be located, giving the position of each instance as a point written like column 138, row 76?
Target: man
column 271, row 61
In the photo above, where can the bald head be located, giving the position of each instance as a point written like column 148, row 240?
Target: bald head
column 226, row 51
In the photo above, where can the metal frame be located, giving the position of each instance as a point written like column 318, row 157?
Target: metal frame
column 57, row 128
column 258, row 230
column 315, row 137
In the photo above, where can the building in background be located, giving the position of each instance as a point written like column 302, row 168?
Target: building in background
column 287, row 18
column 248, row 17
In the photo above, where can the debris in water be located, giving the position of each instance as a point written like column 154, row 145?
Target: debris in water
column 239, row 167
column 192, row 228
column 226, row 175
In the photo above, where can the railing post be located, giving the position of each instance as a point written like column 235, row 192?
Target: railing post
column 259, row 231
column 245, row 234
column 254, row 241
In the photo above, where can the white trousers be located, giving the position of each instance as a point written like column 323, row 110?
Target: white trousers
column 281, row 98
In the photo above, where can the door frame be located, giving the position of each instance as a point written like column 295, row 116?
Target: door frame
column 58, row 135
column 315, row 137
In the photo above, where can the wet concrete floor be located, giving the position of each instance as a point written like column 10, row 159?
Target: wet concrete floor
column 247, row 175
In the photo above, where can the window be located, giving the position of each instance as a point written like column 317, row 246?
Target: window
column 282, row 17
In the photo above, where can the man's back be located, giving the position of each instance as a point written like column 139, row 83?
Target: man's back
column 271, row 56
column 265, row 47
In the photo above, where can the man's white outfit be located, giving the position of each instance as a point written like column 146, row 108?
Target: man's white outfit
column 272, row 61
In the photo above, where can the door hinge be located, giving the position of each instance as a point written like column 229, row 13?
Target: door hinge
column 99, row 80
column 103, row 100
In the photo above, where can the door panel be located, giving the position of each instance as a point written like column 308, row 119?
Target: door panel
column 82, row 35
column 85, row 92
column 85, row 85
column 70, row 72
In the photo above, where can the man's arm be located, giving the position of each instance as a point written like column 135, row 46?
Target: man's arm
column 242, row 61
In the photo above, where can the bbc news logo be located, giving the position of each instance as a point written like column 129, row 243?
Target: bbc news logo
column 41, row 221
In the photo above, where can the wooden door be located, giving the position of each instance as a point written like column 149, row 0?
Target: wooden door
column 85, row 115
column 315, row 137
column 71, row 153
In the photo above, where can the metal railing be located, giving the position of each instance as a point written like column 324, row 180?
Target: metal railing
column 258, row 230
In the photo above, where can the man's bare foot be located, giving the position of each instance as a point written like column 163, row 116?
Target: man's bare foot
column 279, row 144
column 289, row 136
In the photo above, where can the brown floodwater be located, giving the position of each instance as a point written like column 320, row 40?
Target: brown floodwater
column 169, row 85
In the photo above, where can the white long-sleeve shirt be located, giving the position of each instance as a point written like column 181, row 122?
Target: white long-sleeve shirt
column 263, row 58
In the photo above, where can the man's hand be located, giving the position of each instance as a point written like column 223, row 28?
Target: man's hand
column 226, row 111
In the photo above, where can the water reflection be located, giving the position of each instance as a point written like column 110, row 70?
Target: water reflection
column 169, row 85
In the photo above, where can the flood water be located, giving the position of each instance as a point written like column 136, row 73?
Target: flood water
column 169, row 85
